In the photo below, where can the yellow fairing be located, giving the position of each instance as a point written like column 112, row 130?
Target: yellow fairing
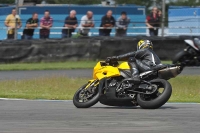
column 108, row 71
column 105, row 71
column 124, row 65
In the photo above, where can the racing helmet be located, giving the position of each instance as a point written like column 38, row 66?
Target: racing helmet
column 144, row 44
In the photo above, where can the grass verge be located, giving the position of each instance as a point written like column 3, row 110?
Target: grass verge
column 48, row 65
column 185, row 88
column 54, row 88
column 52, row 65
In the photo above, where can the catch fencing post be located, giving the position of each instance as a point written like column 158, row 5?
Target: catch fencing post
column 16, row 18
column 163, row 17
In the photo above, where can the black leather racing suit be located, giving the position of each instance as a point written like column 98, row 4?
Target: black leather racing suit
column 141, row 60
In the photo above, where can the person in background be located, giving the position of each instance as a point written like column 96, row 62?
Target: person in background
column 153, row 22
column 10, row 22
column 160, row 13
column 71, row 23
column 107, row 23
column 87, row 21
column 31, row 23
column 122, row 24
column 46, row 23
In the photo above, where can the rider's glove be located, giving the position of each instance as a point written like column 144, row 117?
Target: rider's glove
column 113, row 58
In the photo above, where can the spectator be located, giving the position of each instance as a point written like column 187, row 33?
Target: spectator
column 46, row 23
column 31, row 23
column 10, row 22
column 153, row 22
column 122, row 24
column 159, row 13
column 71, row 23
column 86, row 21
column 107, row 21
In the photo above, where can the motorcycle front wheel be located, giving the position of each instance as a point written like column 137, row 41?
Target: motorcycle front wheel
column 160, row 97
column 180, row 57
column 84, row 98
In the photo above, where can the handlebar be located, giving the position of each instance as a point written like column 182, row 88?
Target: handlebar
column 111, row 63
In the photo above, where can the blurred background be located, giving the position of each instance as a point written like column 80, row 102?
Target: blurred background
column 179, row 17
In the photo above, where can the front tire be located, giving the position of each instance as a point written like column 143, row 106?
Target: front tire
column 156, row 100
column 180, row 57
column 87, row 104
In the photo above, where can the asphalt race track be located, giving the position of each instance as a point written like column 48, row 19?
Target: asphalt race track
column 62, row 117
column 9, row 75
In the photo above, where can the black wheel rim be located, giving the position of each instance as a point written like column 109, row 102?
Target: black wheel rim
column 84, row 95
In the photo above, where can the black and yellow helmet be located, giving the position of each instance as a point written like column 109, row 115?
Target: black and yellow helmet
column 144, row 44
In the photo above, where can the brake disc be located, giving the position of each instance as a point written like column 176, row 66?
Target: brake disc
column 151, row 89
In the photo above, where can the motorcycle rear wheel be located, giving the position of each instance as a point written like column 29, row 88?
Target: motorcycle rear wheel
column 85, row 104
column 157, row 99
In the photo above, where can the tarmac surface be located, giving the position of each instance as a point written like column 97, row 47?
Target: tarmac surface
column 25, row 116
column 12, row 75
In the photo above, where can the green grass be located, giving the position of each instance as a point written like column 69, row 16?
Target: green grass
column 52, row 65
column 48, row 65
column 167, row 62
column 185, row 88
column 41, row 88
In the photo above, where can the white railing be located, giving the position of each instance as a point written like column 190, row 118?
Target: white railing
column 166, row 33
column 175, row 27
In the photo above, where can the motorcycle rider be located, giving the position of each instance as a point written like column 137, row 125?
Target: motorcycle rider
column 139, row 61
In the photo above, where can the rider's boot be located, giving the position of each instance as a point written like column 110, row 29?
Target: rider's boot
column 135, row 76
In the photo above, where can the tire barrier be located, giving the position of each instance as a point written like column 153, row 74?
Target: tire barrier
column 84, row 48
column 48, row 50
column 165, row 48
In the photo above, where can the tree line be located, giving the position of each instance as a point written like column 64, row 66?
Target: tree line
column 146, row 3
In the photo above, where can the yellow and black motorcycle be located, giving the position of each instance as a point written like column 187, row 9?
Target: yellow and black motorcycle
column 111, row 85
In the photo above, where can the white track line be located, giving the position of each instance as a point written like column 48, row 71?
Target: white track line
column 13, row 99
column 181, row 103
column 43, row 100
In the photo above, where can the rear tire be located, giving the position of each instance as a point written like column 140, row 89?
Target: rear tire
column 158, row 101
column 87, row 104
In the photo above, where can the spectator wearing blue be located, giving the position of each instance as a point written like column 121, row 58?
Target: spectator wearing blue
column 107, row 23
column 122, row 24
column 87, row 22
column 31, row 24
column 70, row 23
